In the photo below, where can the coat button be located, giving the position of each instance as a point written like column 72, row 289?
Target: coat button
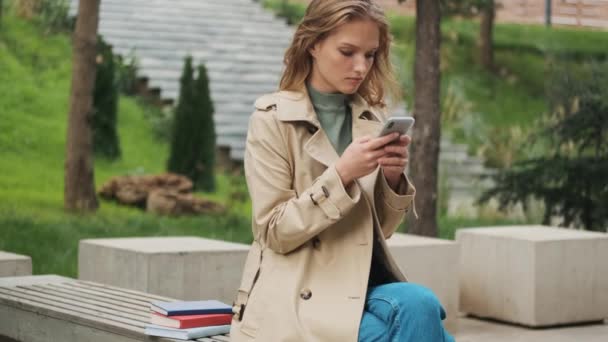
column 316, row 243
column 325, row 191
column 306, row 294
column 312, row 129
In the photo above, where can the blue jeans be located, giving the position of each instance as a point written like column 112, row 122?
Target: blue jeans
column 402, row 312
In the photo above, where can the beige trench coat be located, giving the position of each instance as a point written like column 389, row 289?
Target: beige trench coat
column 305, row 278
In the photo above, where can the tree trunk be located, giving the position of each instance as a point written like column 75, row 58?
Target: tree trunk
column 486, row 47
column 79, row 176
column 427, row 133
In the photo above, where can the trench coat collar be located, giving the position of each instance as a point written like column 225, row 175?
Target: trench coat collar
column 296, row 106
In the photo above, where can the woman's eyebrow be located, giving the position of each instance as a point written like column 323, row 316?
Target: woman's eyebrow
column 356, row 47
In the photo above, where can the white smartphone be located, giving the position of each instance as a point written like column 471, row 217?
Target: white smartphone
column 400, row 124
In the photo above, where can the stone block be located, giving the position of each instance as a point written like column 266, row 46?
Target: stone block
column 430, row 262
column 187, row 268
column 534, row 275
column 12, row 265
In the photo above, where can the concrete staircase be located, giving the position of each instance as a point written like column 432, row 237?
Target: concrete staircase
column 463, row 177
column 241, row 44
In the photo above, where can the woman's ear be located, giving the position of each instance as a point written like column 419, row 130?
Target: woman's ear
column 314, row 50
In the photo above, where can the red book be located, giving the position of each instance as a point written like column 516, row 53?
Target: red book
column 190, row 321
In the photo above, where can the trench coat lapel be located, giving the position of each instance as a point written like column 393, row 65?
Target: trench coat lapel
column 296, row 106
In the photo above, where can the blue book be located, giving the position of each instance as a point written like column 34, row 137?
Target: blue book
column 201, row 307
column 186, row 334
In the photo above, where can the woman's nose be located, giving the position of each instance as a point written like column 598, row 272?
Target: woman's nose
column 360, row 65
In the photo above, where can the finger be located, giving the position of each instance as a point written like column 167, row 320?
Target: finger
column 392, row 161
column 399, row 150
column 376, row 143
column 363, row 139
column 392, row 169
column 377, row 154
column 404, row 140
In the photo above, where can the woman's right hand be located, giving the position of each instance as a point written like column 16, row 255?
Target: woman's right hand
column 361, row 157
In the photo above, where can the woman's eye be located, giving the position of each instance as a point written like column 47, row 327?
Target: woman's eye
column 370, row 56
column 346, row 53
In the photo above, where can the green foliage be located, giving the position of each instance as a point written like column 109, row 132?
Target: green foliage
column 293, row 12
column 193, row 139
column 105, row 104
column 126, row 73
column 206, row 130
column 54, row 15
column 571, row 177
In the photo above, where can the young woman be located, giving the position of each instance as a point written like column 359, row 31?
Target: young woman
column 327, row 192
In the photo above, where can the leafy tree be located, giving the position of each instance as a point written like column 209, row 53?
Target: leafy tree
column 571, row 177
column 105, row 103
column 206, row 130
column 486, row 9
column 193, row 138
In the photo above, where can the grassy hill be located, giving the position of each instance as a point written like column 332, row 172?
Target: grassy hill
column 35, row 85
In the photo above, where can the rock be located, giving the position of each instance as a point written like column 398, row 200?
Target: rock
column 167, row 194
column 167, row 202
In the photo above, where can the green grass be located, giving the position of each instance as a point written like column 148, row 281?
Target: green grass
column 35, row 86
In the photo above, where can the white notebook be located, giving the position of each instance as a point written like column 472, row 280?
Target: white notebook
column 186, row 334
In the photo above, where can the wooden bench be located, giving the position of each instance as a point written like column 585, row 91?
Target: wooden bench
column 54, row 308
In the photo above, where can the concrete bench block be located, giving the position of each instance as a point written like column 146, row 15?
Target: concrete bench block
column 187, row 268
column 12, row 265
column 430, row 262
column 534, row 275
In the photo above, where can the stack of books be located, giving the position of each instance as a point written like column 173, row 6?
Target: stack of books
column 189, row 319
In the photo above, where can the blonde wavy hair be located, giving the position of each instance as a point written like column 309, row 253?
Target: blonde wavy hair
column 321, row 18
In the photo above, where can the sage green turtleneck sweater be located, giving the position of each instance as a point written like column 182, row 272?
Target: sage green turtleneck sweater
column 335, row 117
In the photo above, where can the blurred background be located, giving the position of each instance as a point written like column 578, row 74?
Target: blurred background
column 522, row 111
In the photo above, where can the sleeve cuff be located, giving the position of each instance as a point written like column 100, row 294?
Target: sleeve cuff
column 402, row 199
column 331, row 196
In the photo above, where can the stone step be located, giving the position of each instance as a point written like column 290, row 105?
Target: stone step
column 243, row 77
column 146, row 41
column 217, row 66
column 150, row 24
column 190, row 8
column 229, row 16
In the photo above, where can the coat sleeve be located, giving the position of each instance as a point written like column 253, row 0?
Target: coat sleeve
column 392, row 206
column 282, row 219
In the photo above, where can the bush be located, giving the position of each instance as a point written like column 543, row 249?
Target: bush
column 126, row 74
column 193, row 139
column 292, row 12
column 105, row 104
column 54, row 16
column 571, row 177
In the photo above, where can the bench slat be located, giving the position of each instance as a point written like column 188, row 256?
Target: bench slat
column 21, row 294
column 84, row 319
column 96, row 302
column 124, row 292
column 79, row 305
column 135, row 305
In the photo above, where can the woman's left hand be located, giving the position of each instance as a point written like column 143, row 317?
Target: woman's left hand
column 395, row 160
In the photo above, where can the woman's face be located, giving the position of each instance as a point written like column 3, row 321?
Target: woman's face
column 343, row 59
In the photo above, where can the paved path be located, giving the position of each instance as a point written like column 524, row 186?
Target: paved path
column 470, row 329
